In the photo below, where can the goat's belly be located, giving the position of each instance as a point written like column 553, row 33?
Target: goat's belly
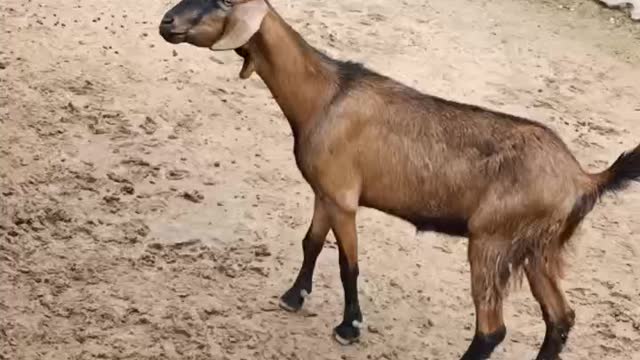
column 424, row 219
column 446, row 225
column 431, row 201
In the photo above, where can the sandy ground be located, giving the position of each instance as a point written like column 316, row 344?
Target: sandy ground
column 150, row 207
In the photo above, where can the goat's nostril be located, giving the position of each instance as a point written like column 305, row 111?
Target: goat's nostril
column 167, row 20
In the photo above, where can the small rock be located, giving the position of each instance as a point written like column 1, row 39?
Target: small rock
column 209, row 182
column 109, row 199
column 262, row 251
column 155, row 246
column 135, row 161
column 54, row 216
column 228, row 271
column 259, row 270
column 149, row 126
column 177, row 174
column 127, row 189
column 372, row 329
column 117, row 178
column 184, row 244
column 97, row 129
column 193, row 196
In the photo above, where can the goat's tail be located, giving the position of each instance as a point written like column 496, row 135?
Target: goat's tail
column 621, row 173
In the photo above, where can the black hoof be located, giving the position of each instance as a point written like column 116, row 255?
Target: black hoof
column 293, row 299
column 482, row 346
column 554, row 341
column 347, row 333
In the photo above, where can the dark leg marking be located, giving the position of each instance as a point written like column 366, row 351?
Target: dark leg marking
column 483, row 345
column 344, row 227
column 312, row 244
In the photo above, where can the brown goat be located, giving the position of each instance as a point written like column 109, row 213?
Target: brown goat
column 362, row 139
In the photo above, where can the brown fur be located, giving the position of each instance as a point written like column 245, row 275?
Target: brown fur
column 362, row 139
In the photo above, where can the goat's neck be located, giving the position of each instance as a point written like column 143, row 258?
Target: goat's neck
column 299, row 79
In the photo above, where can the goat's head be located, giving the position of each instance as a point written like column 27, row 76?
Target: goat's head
column 215, row 24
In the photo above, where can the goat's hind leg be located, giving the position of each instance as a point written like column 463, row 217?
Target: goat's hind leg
column 558, row 315
column 312, row 244
column 489, row 277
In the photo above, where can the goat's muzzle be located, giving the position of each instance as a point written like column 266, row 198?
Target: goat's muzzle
column 169, row 32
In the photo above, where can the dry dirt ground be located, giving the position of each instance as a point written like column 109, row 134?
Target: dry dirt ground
column 150, row 207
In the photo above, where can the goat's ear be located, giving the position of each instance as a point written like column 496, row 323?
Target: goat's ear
column 241, row 24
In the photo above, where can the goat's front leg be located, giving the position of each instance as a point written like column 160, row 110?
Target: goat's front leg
column 312, row 244
column 343, row 224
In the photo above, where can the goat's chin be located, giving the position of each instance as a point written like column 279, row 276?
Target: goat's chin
column 173, row 38
column 199, row 43
column 200, row 40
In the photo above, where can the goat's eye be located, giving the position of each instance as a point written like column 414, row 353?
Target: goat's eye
column 228, row 3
